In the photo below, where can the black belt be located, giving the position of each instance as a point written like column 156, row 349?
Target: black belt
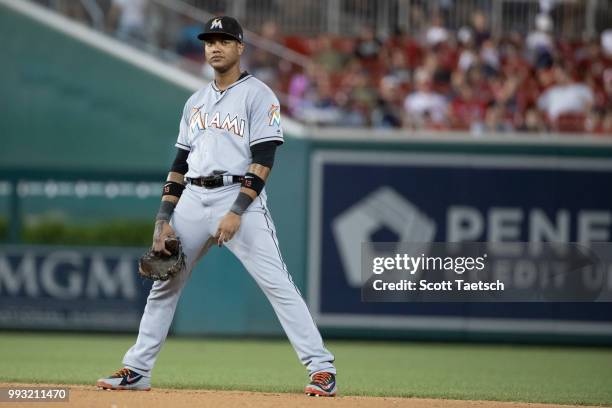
column 215, row 181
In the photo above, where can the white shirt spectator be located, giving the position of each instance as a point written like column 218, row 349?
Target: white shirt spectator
column 467, row 59
column 539, row 40
column 436, row 35
column 570, row 98
column 420, row 102
column 606, row 42
column 132, row 14
column 489, row 55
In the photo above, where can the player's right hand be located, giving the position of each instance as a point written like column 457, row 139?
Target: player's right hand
column 162, row 231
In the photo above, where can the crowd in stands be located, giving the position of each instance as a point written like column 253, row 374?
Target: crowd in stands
column 466, row 80
column 437, row 79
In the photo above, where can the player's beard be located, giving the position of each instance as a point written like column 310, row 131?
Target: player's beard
column 222, row 69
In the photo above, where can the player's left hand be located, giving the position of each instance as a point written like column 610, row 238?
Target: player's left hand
column 228, row 227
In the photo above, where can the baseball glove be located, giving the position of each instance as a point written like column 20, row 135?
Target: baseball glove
column 158, row 266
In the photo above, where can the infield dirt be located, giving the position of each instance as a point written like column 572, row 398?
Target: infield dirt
column 90, row 396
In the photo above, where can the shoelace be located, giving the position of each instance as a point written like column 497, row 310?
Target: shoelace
column 122, row 372
column 322, row 378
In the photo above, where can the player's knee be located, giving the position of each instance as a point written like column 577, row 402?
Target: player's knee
column 279, row 290
column 162, row 290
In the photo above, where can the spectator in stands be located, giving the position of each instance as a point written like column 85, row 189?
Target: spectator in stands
column 408, row 45
column 311, row 99
column 600, row 121
column 540, row 43
column 326, row 56
column 532, row 121
column 606, row 49
column 438, row 64
column 72, row 9
column 595, row 121
column 399, row 72
column 504, row 89
column 262, row 63
column 606, row 79
column 436, row 32
column 606, row 125
column 188, row 44
column 351, row 113
column 355, row 94
column 417, row 20
column 387, row 112
column 606, row 75
column 496, row 119
column 424, row 107
column 475, row 79
column 468, row 55
column 467, row 111
column 512, row 61
column 128, row 18
column 565, row 97
column 362, row 92
column 299, row 86
column 489, row 57
column 367, row 47
column 480, row 28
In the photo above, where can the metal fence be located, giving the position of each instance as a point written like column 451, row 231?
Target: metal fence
column 571, row 18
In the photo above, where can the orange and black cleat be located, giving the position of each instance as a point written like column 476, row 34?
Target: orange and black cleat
column 322, row 384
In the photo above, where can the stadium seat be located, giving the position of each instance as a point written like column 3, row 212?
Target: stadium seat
column 569, row 122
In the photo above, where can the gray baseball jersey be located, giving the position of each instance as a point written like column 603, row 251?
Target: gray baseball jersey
column 218, row 128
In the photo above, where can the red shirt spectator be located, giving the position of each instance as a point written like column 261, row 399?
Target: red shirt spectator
column 466, row 109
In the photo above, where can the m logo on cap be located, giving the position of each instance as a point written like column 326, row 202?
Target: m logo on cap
column 216, row 24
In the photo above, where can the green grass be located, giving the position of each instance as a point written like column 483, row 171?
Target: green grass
column 113, row 232
column 510, row 373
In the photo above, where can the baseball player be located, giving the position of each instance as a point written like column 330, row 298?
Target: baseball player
column 215, row 194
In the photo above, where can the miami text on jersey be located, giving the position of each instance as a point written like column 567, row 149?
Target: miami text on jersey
column 201, row 122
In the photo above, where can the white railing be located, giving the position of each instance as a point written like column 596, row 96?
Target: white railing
column 165, row 18
column 187, row 10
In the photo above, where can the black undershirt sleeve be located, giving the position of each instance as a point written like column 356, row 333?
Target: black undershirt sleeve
column 180, row 162
column 263, row 153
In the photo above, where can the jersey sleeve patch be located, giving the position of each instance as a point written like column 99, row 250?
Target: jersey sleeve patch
column 265, row 116
column 274, row 115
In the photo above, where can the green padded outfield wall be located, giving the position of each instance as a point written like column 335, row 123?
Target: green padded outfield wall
column 66, row 105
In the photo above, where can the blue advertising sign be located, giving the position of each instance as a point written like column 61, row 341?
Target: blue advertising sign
column 423, row 197
column 85, row 288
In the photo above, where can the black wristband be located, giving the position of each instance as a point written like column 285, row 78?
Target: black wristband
column 166, row 208
column 241, row 204
column 173, row 188
column 254, row 182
